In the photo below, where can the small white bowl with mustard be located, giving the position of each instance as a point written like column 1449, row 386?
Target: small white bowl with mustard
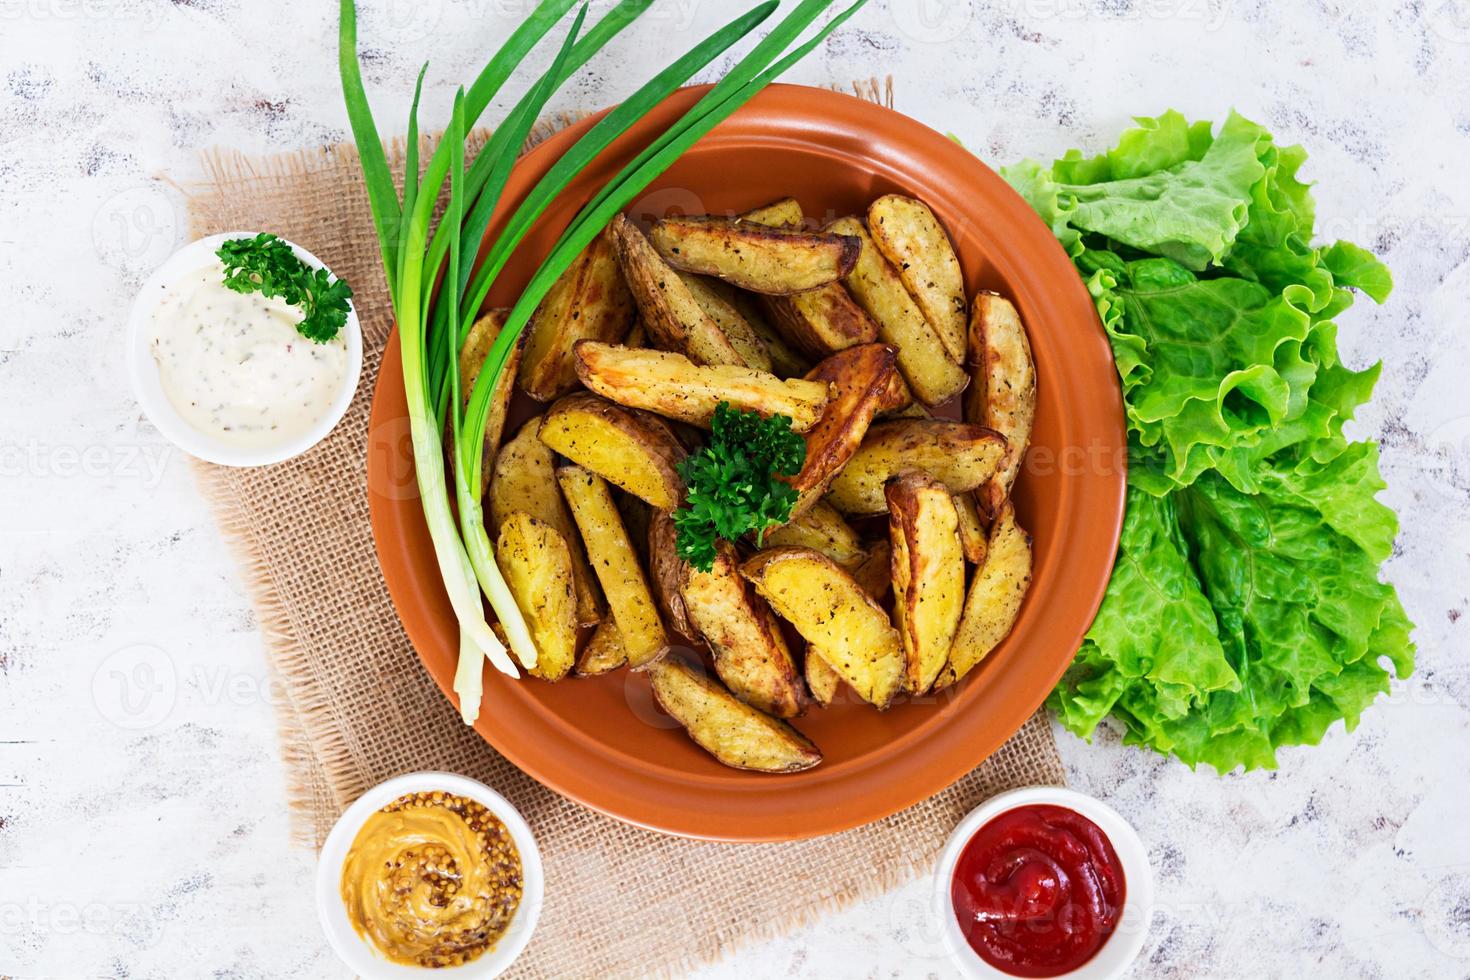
column 429, row 873
column 230, row 376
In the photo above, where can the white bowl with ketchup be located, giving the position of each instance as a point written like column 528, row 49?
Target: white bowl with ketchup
column 1044, row 882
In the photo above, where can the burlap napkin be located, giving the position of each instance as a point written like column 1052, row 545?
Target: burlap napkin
column 359, row 708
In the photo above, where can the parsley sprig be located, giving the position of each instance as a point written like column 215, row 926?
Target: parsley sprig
column 265, row 264
column 733, row 483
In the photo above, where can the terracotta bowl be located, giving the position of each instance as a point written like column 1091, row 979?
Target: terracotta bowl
column 601, row 740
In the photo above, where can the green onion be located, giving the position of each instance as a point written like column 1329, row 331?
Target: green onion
column 417, row 264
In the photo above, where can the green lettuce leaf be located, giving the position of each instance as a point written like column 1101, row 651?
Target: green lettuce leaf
column 1245, row 610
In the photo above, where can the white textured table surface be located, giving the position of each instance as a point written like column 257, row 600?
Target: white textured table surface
column 143, row 830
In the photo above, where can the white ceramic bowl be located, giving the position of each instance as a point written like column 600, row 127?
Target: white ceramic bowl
column 161, row 412
column 356, row 951
column 1121, row 949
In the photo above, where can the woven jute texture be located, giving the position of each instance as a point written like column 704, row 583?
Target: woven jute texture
column 359, row 707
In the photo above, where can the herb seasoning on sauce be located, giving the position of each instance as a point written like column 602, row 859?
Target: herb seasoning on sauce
column 1038, row 890
column 234, row 365
column 432, row 880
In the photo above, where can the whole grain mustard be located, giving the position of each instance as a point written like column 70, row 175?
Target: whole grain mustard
column 432, row 880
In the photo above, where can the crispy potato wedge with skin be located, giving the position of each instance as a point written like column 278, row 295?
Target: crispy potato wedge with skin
column 960, row 455
column 821, row 680
column 897, row 396
column 669, row 572
column 524, row 479
column 972, row 528
column 822, row 528
column 995, row 597
column 537, row 565
column 785, row 213
column 670, row 313
column 732, row 731
column 632, row 449
column 822, row 321
column 859, row 377
column 760, row 258
column 675, row 387
column 616, row 563
column 928, row 574
column 875, row 573
column 741, row 335
column 590, row 301
column 786, row 360
column 833, row 613
column 913, row 241
column 604, row 652
column 471, row 359
column 637, row 336
column 1003, row 396
column 750, row 653
column 914, row 411
column 923, row 359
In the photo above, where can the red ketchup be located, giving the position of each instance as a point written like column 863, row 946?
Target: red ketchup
column 1038, row 890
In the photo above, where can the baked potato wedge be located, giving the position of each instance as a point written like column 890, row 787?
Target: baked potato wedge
column 633, row 449
column 604, row 652
column 822, row 321
column 673, row 386
column 786, row 360
column 590, row 301
column 669, row 572
column 670, row 314
column 911, row 238
column 750, row 653
column 537, row 565
column 760, row 258
column 821, row 528
column 928, row 573
column 859, row 377
column 832, row 613
column 524, row 479
column 1003, row 396
column 923, row 359
column 995, row 597
column 629, row 600
column 897, row 397
column 972, row 528
column 732, row 731
column 637, row 335
column 785, row 213
column 875, row 572
column 471, row 359
column 961, row 455
column 821, row 680
column 732, row 323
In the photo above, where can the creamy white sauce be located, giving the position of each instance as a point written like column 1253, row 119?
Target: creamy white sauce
column 234, row 366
